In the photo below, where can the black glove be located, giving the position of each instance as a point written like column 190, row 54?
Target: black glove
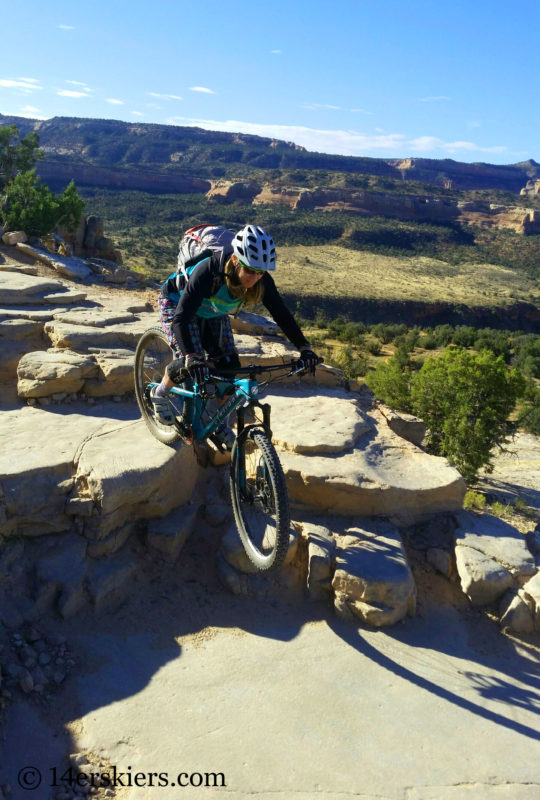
column 309, row 360
column 197, row 368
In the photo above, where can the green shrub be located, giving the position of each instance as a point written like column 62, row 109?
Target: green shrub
column 465, row 400
column 32, row 207
column 391, row 381
column 474, row 500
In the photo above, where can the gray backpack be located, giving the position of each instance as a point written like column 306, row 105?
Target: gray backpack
column 199, row 239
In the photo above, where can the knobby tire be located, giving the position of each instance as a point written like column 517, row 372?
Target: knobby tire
column 151, row 358
column 260, row 501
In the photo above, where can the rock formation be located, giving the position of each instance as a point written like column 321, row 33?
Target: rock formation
column 86, row 493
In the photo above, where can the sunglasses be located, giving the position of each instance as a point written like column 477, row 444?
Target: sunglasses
column 250, row 269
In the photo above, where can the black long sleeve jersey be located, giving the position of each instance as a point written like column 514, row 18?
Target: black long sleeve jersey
column 205, row 294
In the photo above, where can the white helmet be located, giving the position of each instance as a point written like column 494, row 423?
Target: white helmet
column 255, row 248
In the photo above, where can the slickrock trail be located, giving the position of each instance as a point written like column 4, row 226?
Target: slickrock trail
column 136, row 642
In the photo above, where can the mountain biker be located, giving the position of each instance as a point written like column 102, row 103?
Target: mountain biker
column 194, row 314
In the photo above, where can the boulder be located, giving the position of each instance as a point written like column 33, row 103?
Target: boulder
column 491, row 556
column 372, row 579
column 531, row 593
column 516, row 612
column 234, row 554
column 44, row 373
column 405, row 425
column 483, row 579
column 11, row 238
column 321, row 548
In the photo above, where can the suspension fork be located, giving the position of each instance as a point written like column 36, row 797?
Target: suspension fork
column 242, row 433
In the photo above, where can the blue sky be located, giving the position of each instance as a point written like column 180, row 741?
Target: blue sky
column 386, row 79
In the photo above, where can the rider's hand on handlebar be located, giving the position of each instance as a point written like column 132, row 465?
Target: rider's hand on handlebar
column 309, row 360
column 197, row 368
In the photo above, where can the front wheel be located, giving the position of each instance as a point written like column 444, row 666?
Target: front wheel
column 260, row 501
column 151, row 358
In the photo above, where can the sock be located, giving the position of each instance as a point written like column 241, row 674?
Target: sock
column 161, row 390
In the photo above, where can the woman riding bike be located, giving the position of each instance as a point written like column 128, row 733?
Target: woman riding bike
column 194, row 313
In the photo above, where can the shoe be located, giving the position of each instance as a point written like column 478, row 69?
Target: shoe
column 226, row 436
column 162, row 408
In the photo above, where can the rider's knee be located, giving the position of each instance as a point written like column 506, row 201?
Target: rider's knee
column 176, row 370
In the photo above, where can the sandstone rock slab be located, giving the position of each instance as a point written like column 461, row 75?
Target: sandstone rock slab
column 15, row 329
column 129, row 476
column 44, row 373
column 36, row 467
column 71, row 267
column 383, row 475
column 82, row 337
column 372, row 579
column 253, row 324
column 498, row 540
column 115, row 374
column 16, row 287
column 328, row 421
column 94, row 317
column 109, row 580
column 483, row 579
column 169, row 534
column 26, row 269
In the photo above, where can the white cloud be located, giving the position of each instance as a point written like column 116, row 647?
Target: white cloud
column 325, row 141
column 277, row 52
column 428, row 143
column 78, row 83
column 316, row 106
column 29, row 80
column 70, row 93
column 138, row 113
column 27, row 84
column 29, row 109
column 361, row 111
column 164, row 96
column 436, row 99
column 202, row 89
column 342, row 142
column 113, row 101
column 67, row 27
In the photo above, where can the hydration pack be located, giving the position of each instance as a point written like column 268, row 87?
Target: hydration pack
column 200, row 239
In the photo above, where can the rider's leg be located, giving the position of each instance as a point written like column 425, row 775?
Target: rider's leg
column 219, row 343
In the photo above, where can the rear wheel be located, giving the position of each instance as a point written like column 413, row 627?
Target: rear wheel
column 151, row 358
column 260, row 501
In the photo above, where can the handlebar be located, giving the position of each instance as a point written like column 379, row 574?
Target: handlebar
column 259, row 369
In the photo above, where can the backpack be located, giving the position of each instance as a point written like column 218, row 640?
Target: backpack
column 198, row 240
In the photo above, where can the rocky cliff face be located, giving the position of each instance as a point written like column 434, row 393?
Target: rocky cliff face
column 407, row 207
column 139, row 147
